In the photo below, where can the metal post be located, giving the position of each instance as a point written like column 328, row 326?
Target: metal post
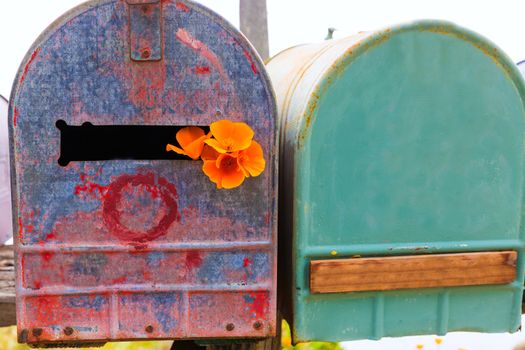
column 254, row 24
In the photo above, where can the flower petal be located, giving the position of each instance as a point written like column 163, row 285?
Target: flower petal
column 208, row 153
column 210, row 169
column 194, row 149
column 189, row 134
column 222, row 130
column 242, row 136
column 232, row 179
column 252, row 160
column 232, row 136
column 216, row 145
column 191, row 141
column 175, row 149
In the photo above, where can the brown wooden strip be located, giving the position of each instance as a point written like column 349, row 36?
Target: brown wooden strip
column 416, row 271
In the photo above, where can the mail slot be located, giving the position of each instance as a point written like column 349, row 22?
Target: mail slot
column 402, row 169
column 117, row 236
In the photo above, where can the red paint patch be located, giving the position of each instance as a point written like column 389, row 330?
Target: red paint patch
column 202, row 70
column 259, row 306
column 112, row 216
column 94, row 190
column 247, row 262
column 28, row 65
column 47, row 256
column 50, row 236
column 267, row 218
column 119, row 280
column 37, row 284
column 182, row 6
column 20, row 229
column 199, row 47
column 252, row 62
column 15, row 116
column 193, row 260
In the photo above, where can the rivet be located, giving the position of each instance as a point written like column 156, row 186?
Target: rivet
column 257, row 325
column 22, row 338
column 230, row 327
column 218, row 113
column 149, row 329
column 146, row 53
column 37, row 332
column 68, row 331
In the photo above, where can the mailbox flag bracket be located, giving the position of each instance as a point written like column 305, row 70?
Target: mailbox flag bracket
column 145, row 30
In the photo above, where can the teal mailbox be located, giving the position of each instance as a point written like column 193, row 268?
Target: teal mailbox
column 402, row 181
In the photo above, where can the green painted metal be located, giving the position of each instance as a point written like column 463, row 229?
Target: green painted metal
column 408, row 140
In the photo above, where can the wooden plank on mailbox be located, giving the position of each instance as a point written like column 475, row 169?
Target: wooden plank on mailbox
column 408, row 272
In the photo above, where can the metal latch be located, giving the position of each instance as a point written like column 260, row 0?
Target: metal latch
column 145, row 30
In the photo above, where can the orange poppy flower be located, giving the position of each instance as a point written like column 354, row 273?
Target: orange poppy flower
column 224, row 171
column 191, row 140
column 251, row 160
column 230, row 136
column 208, row 153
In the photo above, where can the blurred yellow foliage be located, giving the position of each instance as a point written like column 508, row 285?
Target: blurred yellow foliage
column 286, row 342
column 8, row 342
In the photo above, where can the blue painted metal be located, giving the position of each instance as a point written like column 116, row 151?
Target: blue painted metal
column 131, row 249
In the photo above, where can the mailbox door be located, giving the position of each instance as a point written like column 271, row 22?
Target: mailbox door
column 117, row 239
column 408, row 168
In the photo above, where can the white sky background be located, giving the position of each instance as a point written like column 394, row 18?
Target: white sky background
column 294, row 22
column 291, row 22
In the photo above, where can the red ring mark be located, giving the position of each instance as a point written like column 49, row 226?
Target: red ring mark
column 111, row 215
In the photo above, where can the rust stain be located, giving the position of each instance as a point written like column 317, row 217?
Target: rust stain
column 15, row 116
column 193, row 260
column 252, row 62
column 112, row 214
column 181, row 6
column 202, row 70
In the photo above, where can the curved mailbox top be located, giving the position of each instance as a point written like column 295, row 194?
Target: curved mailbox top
column 406, row 141
column 112, row 226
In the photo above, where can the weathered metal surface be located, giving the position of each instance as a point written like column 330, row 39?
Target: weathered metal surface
column 6, row 222
column 402, row 141
column 138, row 248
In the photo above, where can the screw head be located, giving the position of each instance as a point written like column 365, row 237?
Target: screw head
column 146, row 53
column 257, row 325
column 149, row 329
column 37, row 332
column 230, row 327
column 68, row 331
column 22, row 337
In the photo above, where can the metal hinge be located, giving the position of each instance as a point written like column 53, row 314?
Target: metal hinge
column 145, row 30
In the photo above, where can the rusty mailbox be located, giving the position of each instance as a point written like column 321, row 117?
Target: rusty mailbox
column 116, row 237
